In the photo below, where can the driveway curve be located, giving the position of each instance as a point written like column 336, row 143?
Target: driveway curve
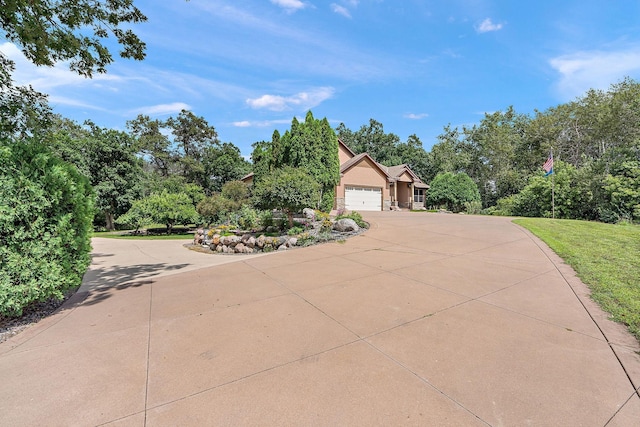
column 426, row 319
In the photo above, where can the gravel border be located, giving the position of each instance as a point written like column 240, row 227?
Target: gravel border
column 12, row 326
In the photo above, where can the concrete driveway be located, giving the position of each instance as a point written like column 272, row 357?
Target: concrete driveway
column 425, row 320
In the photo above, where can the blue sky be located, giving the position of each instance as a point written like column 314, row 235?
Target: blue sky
column 250, row 66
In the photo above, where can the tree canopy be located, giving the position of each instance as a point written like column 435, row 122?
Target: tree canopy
column 73, row 30
column 311, row 146
column 288, row 189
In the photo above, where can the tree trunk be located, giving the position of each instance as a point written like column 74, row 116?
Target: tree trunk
column 290, row 217
column 110, row 224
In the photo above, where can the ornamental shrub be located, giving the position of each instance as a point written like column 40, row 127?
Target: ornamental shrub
column 46, row 210
column 452, row 191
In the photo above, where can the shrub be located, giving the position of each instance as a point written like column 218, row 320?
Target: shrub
column 248, row 218
column 287, row 189
column 305, row 239
column 295, row 230
column 473, row 207
column 266, row 219
column 213, row 208
column 452, row 191
column 46, row 209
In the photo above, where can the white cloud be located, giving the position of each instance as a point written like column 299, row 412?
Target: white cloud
column 414, row 116
column 162, row 109
column 45, row 79
column 341, row 10
column 488, row 26
column 55, row 100
column 582, row 71
column 263, row 123
column 289, row 5
column 242, row 124
column 302, row 100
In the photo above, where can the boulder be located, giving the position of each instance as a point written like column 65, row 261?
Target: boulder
column 230, row 240
column 198, row 238
column 292, row 242
column 282, row 248
column 251, row 242
column 345, row 225
column 245, row 238
column 260, row 241
column 239, row 248
column 215, row 239
column 309, row 214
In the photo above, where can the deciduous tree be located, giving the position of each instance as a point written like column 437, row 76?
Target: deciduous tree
column 72, row 30
column 287, row 189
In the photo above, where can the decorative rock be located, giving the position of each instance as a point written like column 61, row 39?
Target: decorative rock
column 309, row 214
column 251, row 242
column 292, row 242
column 245, row 238
column 345, row 225
column 215, row 239
column 239, row 248
column 198, row 238
column 260, row 241
column 219, row 249
column 282, row 248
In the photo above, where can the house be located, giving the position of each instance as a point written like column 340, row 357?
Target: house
column 366, row 185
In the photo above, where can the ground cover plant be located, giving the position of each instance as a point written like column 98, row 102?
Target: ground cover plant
column 179, row 234
column 605, row 256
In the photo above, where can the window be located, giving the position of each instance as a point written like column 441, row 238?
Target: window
column 418, row 195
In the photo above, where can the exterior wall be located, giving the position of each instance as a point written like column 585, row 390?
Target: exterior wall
column 405, row 192
column 364, row 174
column 343, row 154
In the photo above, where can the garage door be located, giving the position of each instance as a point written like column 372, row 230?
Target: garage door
column 363, row 199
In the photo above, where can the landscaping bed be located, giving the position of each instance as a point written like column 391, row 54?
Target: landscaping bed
column 312, row 228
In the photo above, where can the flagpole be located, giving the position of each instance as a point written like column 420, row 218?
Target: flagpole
column 553, row 190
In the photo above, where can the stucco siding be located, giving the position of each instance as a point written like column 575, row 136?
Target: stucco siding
column 363, row 174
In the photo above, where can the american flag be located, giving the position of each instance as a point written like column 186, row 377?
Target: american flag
column 548, row 165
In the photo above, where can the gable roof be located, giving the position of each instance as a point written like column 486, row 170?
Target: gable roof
column 392, row 173
column 397, row 171
column 359, row 158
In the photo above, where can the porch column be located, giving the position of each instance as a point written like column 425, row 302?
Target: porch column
column 411, row 196
column 395, row 193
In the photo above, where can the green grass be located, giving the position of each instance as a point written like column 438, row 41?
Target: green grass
column 179, row 233
column 606, row 258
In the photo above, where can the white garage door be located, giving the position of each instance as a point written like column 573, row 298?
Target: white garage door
column 363, row 199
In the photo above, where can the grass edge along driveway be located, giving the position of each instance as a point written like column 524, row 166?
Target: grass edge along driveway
column 606, row 257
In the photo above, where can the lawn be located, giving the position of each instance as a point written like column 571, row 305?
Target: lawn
column 606, row 258
column 179, row 233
